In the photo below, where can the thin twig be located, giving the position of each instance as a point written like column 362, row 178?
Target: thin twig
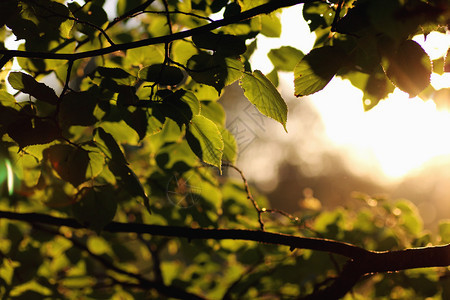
column 66, row 84
column 249, row 194
column 336, row 16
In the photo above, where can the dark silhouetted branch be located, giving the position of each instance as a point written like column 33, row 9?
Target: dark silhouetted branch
column 245, row 15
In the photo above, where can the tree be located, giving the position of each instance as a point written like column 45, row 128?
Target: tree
column 112, row 169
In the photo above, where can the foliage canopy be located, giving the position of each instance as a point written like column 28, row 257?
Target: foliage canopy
column 113, row 140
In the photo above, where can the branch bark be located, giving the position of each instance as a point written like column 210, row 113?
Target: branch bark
column 293, row 242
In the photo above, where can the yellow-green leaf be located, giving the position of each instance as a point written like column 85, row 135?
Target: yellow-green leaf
column 205, row 140
column 262, row 93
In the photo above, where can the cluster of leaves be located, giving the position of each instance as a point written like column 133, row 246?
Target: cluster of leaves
column 115, row 119
column 370, row 43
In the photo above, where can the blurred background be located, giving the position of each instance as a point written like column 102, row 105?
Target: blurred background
column 399, row 149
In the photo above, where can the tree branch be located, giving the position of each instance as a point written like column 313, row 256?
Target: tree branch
column 362, row 262
column 293, row 242
column 245, row 15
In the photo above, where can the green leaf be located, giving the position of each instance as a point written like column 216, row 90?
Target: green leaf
column 98, row 245
column 316, row 69
column 285, row 58
column 145, row 56
column 444, row 231
column 273, row 77
column 70, row 162
column 230, row 149
column 270, row 25
column 205, row 140
column 263, row 94
column 95, row 207
column 27, row 84
column 410, row 68
column 109, row 146
column 223, row 44
column 409, row 217
column 213, row 111
column 162, row 74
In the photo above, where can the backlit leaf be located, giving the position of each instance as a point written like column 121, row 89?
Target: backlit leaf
column 285, row 58
column 205, row 140
column 270, row 25
column 263, row 94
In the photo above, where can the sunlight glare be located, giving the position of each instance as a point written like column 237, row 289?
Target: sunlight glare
column 397, row 136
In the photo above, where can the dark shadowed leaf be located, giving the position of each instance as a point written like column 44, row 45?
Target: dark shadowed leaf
column 447, row 61
column 162, row 74
column 28, row 129
column 8, row 8
column 27, row 84
column 217, row 5
column 410, row 68
column 316, row 69
column 128, row 180
column 223, row 44
column 180, row 106
column 70, row 162
column 95, row 207
column 109, row 146
column 77, row 108
column 214, row 70
column 317, row 14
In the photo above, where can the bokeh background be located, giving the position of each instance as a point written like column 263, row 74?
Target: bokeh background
column 334, row 150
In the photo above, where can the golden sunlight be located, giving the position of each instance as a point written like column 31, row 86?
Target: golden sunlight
column 397, row 136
